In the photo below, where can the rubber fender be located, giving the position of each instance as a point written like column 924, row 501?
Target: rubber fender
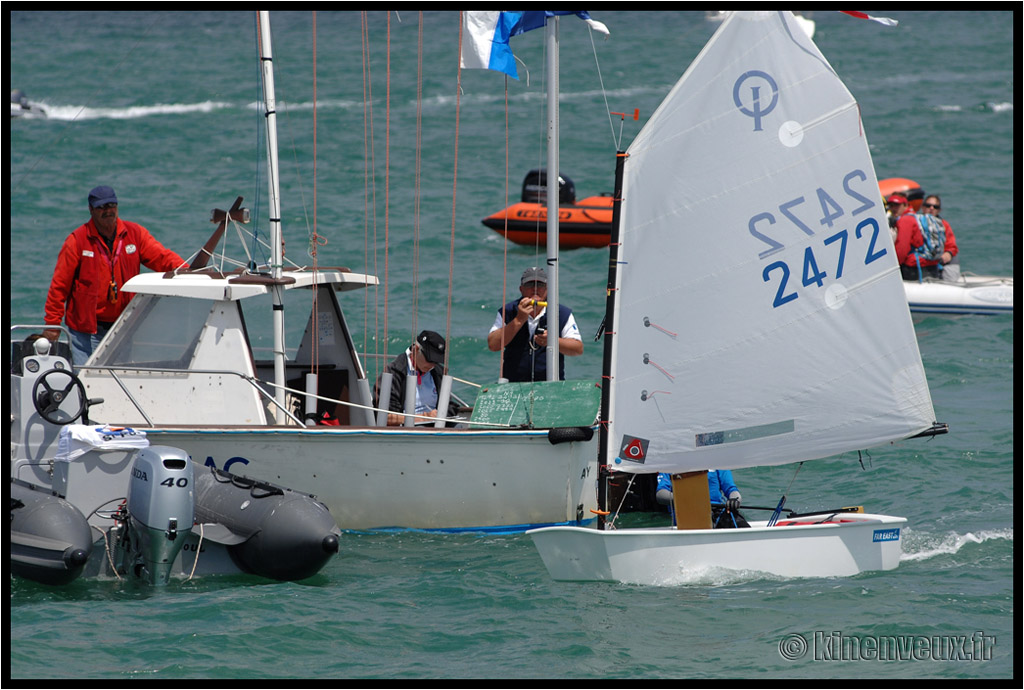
column 569, row 434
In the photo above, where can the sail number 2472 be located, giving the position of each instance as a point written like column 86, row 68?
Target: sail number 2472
column 829, row 215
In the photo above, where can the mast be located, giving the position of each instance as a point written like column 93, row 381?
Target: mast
column 274, row 182
column 551, row 36
column 610, row 328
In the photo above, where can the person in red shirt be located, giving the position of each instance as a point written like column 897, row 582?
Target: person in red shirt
column 924, row 242
column 897, row 206
column 96, row 260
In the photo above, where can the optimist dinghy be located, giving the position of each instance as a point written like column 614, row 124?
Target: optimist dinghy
column 756, row 314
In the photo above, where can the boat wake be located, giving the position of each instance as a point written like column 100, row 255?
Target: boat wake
column 84, row 112
column 990, row 105
column 924, row 547
column 81, row 112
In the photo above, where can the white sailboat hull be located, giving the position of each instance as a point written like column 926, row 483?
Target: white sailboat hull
column 430, row 479
column 667, row 556
column 969, row 295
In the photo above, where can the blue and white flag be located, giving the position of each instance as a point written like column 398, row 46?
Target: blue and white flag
column 535, row 19
column 485, row 41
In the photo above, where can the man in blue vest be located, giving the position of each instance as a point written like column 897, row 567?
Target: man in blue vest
column 521, row 328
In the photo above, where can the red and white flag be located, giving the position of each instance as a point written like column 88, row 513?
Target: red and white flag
column 880, row 20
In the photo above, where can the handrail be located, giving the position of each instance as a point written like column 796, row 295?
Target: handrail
column 131, row 398
column 43, row 327
column 112, row 370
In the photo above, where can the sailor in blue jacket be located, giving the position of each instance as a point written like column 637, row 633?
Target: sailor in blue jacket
column 725, row 498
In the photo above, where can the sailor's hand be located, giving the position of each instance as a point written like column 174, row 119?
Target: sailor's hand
column 52, row 334
column 945, row 258
column 540, row 338
column 733, row 504
column 527, row 307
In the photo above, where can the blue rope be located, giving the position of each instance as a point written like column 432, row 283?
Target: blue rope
column 778, row 511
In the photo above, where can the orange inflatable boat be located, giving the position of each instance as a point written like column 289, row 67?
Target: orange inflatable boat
column 901, row 185
column 587, row 223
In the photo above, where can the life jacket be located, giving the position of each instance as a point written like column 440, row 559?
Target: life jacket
column 524, row 362
column 99, row 266
column 86, row 267
column 933, row 230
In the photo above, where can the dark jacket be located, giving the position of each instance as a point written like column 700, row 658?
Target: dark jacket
column 522, row 361
column 399, row 368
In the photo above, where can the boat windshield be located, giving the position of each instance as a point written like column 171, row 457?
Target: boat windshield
column 162, row 333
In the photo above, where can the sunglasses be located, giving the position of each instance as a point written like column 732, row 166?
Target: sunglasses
column 938, row 206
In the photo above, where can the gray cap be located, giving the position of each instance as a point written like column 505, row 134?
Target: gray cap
column 534, row 275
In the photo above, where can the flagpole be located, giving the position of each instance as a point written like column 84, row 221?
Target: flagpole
column 554, row 324
column 276, row 244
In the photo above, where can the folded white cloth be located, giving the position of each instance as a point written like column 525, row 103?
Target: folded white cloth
column 78, row 439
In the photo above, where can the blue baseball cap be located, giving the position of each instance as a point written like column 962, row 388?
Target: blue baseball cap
column 102, row 195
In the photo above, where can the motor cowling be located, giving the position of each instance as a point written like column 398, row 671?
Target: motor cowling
column 535, row 188
column 161, row 507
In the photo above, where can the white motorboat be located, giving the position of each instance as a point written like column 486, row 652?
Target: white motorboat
column 182, row 363
column 756, row 312
column 21, row 106
column 969, row 294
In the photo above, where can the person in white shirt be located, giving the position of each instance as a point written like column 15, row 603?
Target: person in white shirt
column 521, row 328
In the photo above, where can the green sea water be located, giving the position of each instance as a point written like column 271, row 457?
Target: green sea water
column 161, row 106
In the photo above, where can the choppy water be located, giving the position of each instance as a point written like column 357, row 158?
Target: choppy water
column 161, row 106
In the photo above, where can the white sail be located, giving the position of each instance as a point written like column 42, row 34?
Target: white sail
column 760, row 315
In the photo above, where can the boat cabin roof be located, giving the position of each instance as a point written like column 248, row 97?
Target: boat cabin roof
column 237, row 285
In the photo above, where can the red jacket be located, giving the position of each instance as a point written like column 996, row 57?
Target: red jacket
column 80, row 287
column 908, row 236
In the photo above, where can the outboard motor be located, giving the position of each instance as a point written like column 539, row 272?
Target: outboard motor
column 535, row 189
column 160, row 507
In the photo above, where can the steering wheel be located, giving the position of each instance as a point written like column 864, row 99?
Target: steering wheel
column 48, row 401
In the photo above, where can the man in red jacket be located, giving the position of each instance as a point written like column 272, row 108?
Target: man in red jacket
column 96, row 260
